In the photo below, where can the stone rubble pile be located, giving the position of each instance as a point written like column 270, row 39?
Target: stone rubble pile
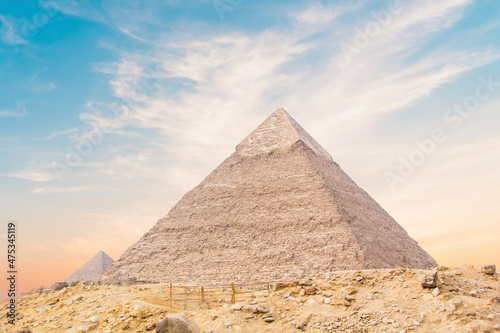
column 448, row 299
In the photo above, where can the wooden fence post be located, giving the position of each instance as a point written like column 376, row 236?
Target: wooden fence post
column 186, row 295
column 202, row 294
column 233, row 296
column 171, row 295
column 268, row 289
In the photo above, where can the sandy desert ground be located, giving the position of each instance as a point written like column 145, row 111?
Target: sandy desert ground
column 466, row 299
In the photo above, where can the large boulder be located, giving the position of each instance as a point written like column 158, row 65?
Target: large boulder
column 283, row 285
column 430, row 279
column 177, row 323
column 489, row 269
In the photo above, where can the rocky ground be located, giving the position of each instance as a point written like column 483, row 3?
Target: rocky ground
column 466, row 299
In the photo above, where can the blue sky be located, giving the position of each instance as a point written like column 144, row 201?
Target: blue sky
column 111, row 110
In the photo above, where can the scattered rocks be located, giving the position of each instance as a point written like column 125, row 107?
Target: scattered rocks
column 268, row 319
column 59, row 285
column 303, row 321
column 495, row 301
column 310, row 302
column 250, row 308
column 83, row 328
column 310, row 290
column 77, row 298
column 262, row 309
column 136, row 313
column 381, row 303
column 38, row 290
column 237, row 307
column 350, row 290
column 150, row 327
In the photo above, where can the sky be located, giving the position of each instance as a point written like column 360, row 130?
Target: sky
column 111, row 110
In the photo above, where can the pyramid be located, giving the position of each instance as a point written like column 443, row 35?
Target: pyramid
column 278, row 208
column 92, row 269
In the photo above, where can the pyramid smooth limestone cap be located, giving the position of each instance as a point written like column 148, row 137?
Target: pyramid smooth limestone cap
column 278, row 131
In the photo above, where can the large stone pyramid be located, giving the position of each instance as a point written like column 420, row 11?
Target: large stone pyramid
column 92, row 269
column 277, row 208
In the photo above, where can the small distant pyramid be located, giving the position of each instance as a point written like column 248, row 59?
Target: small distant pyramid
column 278, row 208
column 92, row 269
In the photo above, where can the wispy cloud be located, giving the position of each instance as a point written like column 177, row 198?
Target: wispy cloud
column 316, row 14
column 226, row 84
column 4, row 114
column 127, row 32
column 47, row 190
column 34, row 172
column 59, row 133
column 12, row 114
column 127, row 17
column 87, row 9
column 127, row 165
column 201, row 94
column 45, row 87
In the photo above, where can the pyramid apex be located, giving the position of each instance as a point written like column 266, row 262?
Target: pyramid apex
column 280, row 110
column 278, row 131
column 100, row 254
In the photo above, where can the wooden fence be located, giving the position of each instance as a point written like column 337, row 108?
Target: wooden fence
column 207, row 296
